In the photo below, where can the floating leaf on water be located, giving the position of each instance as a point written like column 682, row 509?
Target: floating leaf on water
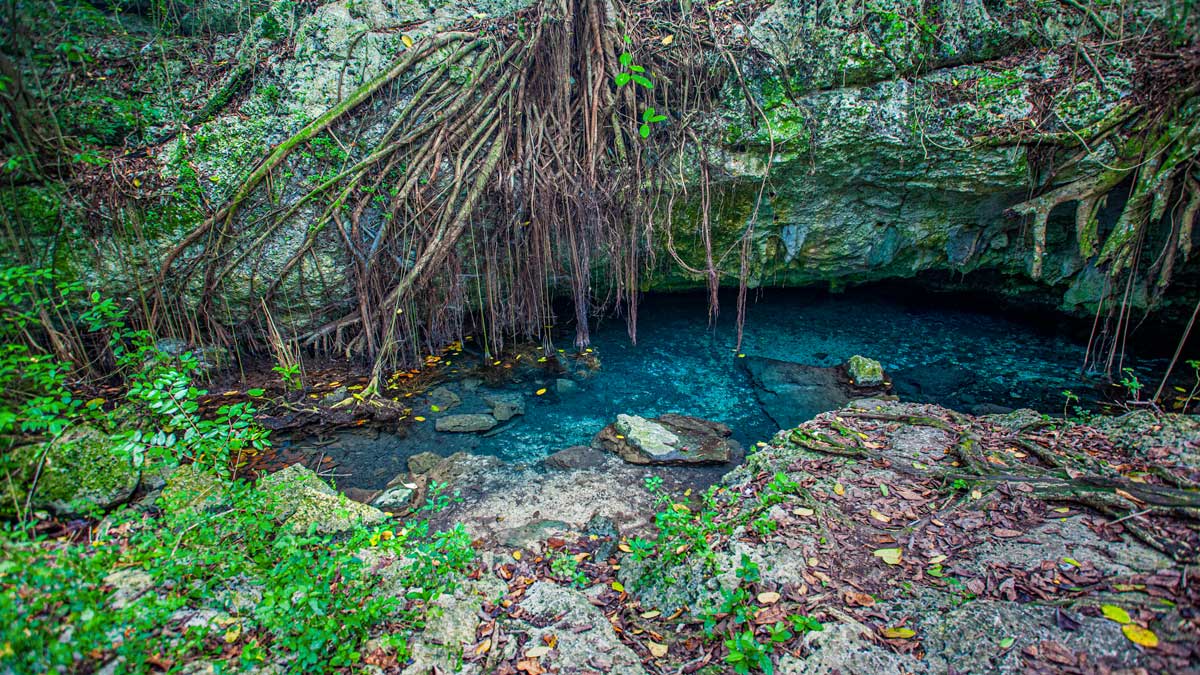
column 890, row 556
column 541, row 391
column 768, row 597
column 898, row 633
column 1115, row 613
column 656, row 650
column 1140, row 636
column 419, row 418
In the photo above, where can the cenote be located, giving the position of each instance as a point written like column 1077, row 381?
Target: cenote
column 951, row 350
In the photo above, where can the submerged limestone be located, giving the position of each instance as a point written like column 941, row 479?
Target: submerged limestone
column 667, row 439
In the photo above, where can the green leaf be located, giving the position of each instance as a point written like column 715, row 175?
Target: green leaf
column 255, row 392
column 1115, row 613
column 1007, row 642
column 622, row 79
column 637, row 69
column 626, row 58
column 647, row 114
column 658, row 118
column 643, row 81
column 644, row 131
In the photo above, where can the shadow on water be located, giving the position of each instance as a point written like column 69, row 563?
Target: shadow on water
column 959, row 353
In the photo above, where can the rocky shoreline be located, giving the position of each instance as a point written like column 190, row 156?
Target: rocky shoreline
column 907, row 569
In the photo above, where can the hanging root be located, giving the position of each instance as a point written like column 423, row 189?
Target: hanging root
column 511, row 169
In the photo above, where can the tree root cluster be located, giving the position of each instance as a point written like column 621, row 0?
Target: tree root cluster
column 1164, row 514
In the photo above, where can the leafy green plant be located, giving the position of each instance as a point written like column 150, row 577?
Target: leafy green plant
column 746, row 653
column 1132, row 384
column 634, row 74
column 565, row 567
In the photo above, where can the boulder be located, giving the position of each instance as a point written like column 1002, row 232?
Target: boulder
column 302, row 501
column 667, row 439
column 864, row 372
column 81, row 471
column 466, row 423
column 558, row 611
column 505, row 406
column 190, row 487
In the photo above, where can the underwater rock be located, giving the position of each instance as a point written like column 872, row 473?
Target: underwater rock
column 864, row 372
column 667, row 439
column 792, row 393
column 465, row 423
column 80, row 471
column 423, row 462
column 565, row 386
column 505, row 406
column 444, row 398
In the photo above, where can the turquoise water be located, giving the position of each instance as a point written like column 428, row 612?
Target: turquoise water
column 956, row 355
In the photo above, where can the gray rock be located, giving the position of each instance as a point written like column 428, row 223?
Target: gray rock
column 505, row 406
column 792, row 393
column 562, row 612
column 466, row 423
column 397, row 498
column 191, row 488
column 844, row 648
column 576, row 457
column 423, row 462
column 864, row 372
column 667, row 439
column 444, row 399
column 300, row 500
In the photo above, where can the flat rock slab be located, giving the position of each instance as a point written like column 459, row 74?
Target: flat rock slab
column 792, row 393
column 667, row 439
column 468, row 423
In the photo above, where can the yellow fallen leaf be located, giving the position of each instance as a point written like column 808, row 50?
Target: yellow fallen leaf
column 656, row 650
column 516, row 555
column 484, row 647
column 802, row 511
column 899, row 633
column 541, row 391
column 419, row 418
column 891, row 556
column 651, row 614
column 618, row 587
column 233, row 634
column 839, row 489
column 408, row 42
column 880, row 517
column 624, row 548
column 1140, row 636
column 1115, row 613
column 537, row 652
column 937, row 559
column 668, row 40
column 768, row 597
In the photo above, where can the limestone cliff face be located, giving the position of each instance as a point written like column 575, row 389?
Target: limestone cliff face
column 894, row 139
column 887, row 138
